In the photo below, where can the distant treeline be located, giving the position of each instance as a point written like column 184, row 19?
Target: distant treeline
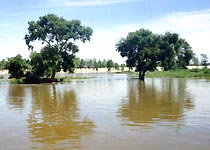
column 78, row 63
column 94, row 63
column 97, row 63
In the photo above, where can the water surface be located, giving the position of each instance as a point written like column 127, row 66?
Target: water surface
column 110, row 111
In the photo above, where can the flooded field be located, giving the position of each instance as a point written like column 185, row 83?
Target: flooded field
column 107, row 112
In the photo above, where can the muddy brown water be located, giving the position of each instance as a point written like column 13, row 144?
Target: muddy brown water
column 108, row 112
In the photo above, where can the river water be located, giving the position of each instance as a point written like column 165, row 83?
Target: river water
column 108, row 112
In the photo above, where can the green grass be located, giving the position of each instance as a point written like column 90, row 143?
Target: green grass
column 193, row 73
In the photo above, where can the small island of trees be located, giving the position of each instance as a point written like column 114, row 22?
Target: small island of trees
column 144, row 50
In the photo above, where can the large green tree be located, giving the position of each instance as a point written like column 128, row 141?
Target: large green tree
column 141, row 49
column 145, row 50
column 57, row 36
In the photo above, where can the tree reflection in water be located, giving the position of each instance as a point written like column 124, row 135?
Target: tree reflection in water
column 55, row 117
column 148, row 103
column 16, row 96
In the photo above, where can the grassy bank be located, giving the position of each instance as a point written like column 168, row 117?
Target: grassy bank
column 185, row 73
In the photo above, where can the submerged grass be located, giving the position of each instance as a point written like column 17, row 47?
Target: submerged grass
column 57, row 79
column 71, row 78
column 184, row 73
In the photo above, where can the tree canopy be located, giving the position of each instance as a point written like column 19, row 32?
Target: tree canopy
column 176, row 53
column 204, row 60
column 3, row 64
column 141, row 50
column 145, row 51
column 57, row 36
column 94, row 63
column 17, row 66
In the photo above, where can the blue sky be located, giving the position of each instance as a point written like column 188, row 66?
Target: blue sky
column 110, row 20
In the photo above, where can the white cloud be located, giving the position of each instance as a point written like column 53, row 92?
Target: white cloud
column 192, row 26
column 12, row 47
column 87, row 2
column 101, row 46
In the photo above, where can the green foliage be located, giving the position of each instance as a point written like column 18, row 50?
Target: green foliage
column 77, row 62
column 141, row 49
column 93, row 63
column 110, row 64
column 3, row 64
column 122, row 67
column 116, row 66
column 168, row 52
column 176, row 53
column 145, row 51
column 37, row 64
column 57, row 34
column 104, row 64
column 17, row 66
column 82, row 63
column 45, row 63
column 90, row 63
column 181, row 73
column 54, row 30
column 204, row 60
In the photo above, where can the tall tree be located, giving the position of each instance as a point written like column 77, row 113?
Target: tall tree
column 110, row 64
column 204, row 60
column 95, row 64
column 99, row 64
column 90, row 63
column 116, row 66
column 82, row 64
column 57, row 36
column 141, row 49
column 145, row 50
column 103, row 63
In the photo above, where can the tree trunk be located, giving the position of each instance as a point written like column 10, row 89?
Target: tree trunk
column 53, row 74
column 141, row 75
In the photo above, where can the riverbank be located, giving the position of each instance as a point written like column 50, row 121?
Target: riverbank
column 183, row 73
column 64, row 76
